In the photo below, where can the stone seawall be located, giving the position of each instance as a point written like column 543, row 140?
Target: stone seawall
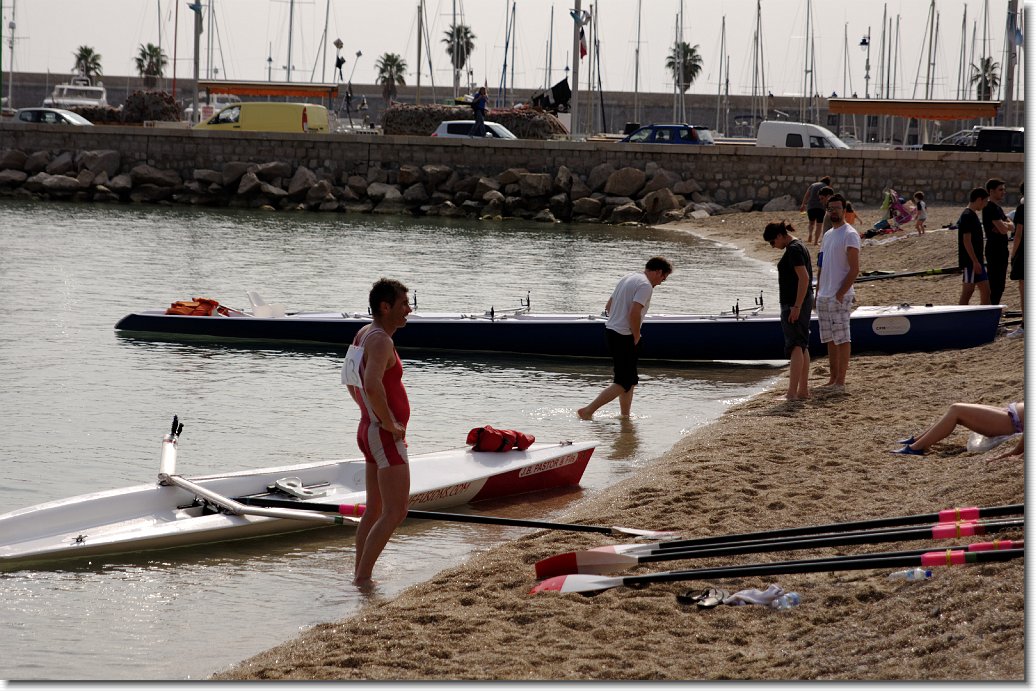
column 722, row 175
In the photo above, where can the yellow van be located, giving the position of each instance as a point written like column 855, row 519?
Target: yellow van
column 261, row 116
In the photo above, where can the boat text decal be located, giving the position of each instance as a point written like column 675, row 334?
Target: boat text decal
column 891, row 326
column 548, row 465
column 438, row 494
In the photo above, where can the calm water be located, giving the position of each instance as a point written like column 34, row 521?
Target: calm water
column 84, row 409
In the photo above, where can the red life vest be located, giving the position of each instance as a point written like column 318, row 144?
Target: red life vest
column 489, row 439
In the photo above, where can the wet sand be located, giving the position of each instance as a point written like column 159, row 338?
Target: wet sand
column 766, row 463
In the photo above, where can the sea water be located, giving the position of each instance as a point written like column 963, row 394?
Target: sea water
column 84, row 408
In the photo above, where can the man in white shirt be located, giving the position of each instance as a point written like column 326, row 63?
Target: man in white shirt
column 837, row 268
column 626, row 309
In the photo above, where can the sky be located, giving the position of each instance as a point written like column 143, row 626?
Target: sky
column 246, row 33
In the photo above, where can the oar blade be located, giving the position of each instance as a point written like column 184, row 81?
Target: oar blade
column 645, row 533
column 583, row 562
column 576, row 583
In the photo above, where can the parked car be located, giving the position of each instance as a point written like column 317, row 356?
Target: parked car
column 263, row 116
column 209, row 105
column 671, row 133
column 781, row 133
column 462, row 128
column 49, row 116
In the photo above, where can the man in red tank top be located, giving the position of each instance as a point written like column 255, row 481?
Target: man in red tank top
column 381, row 435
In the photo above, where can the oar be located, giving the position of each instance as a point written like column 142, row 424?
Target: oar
column 235, row 507
column 926, row 272
column 943, row 516
column 603, row 562
column 583, row 583
column 357, row 510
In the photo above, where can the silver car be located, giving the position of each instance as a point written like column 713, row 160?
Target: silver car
column 49, row 116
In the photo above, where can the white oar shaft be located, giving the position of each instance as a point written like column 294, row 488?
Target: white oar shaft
column 238, row 508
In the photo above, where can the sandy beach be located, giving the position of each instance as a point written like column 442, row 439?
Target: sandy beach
column 767, row 463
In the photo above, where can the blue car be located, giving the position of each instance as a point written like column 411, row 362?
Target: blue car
column 677, row 133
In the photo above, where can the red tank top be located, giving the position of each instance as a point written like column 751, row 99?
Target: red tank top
column 392, row 380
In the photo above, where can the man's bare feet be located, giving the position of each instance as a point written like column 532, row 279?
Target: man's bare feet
column 365, row 585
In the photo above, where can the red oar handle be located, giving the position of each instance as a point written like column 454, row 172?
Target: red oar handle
column 959, row 514
column 352, row 510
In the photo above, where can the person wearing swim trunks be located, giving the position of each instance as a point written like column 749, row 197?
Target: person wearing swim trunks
column 795, row 284
column 838, row 265
column 991, row 421
column 381, row 435
column 626, row 309
column 970, row 256
column 815, row 208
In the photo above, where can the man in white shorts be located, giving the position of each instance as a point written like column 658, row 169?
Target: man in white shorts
column 838, row 266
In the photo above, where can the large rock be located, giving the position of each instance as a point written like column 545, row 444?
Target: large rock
column 409, row 174
column 249, row 184
column 321, row 193
column 301, row 182
column 563, row 178
column 415, row 194
column 272, row 191
column 627, row 213
column 579, row 189
column 272, row 170
column 586, row 206
column 34, row 183
column 13, row 159
column 61, row 164
column 95, row 161
column 149, row 192
column 545, row 216
column 61, row 184
column 782, row 203
column 208, row 176
column 121, row 183
column 358, row 184
column 536, row 184
column 659, row 201
column 436, row 174
column 233, row 171
column 380, row 192
column 661, row 179
column 485, row 185
column 144, row 174
column 36, row 162
column 625, row 182
column 493, row 197
column 599, row 175
column 10, row 176
column 511, row 175
column 687, row 187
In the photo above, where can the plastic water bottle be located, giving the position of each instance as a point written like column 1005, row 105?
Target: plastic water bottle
column 912, row 574
column 788, row 600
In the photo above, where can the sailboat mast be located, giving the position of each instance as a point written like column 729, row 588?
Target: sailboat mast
column 1011, row 46
column 291, row 31
column 550, row 51
column 420, row 34
column 514, row 41
column 722, row 52
column 636, row 70
column 577, row 14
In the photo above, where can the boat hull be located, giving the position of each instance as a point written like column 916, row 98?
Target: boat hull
column 154, row 516
column 669, row 337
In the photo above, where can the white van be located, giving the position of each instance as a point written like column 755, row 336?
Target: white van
column 780, row 133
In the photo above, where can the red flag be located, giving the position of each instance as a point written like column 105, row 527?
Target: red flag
column 582, row 44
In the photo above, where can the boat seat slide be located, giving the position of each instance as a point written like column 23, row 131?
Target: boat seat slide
column 260, row 308
column 293, row 486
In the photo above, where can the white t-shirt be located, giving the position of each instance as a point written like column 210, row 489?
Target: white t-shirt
column 632, row 288
column 834, row 246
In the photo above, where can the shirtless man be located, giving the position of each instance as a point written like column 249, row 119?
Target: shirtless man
column 377, row 388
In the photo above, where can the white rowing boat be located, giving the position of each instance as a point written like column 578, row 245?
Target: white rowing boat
column 177, row 511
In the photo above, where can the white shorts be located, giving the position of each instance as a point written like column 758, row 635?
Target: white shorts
column 833, row 318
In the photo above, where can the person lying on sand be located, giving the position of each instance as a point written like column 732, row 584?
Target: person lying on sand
column 991, row 421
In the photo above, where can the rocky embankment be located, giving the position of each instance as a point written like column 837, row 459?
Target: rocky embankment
column 608, row 194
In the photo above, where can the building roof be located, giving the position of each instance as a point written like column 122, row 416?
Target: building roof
column 922, row 109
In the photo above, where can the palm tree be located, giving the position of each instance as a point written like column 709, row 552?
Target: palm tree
column 460, row 43
column 391, row 71
column 986, row 78
column 688, row 55
column 87, row 62
column 151, row 61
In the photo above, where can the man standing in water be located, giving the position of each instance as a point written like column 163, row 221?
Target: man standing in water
column 836, row 272
column 626, row 309
column 374, row 373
